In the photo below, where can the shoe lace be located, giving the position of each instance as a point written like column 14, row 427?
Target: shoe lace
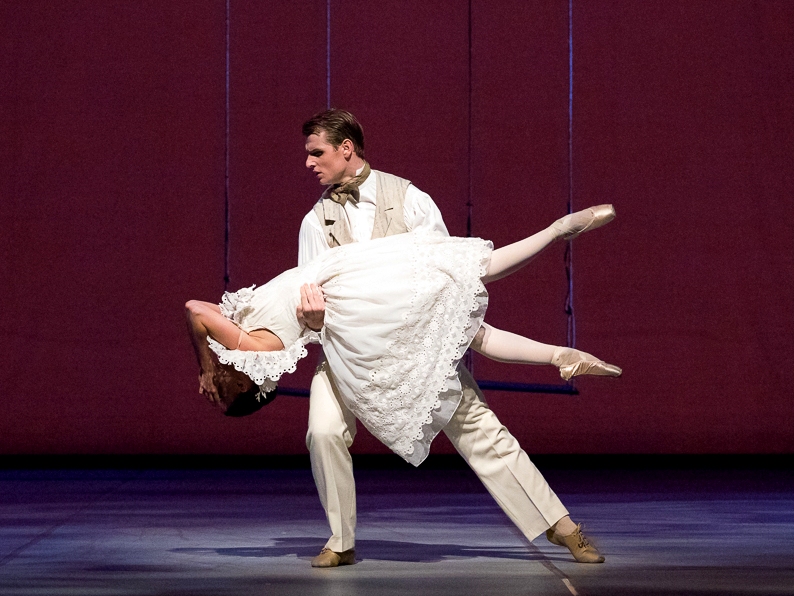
column 581, row 538
column 325, row 550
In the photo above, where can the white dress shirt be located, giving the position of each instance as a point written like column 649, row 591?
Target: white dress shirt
column 419, row 212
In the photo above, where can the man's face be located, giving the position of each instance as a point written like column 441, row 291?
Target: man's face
column 327, row 163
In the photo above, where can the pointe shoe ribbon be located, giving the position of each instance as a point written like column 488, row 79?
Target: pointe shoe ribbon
column 570, row 226
column 572, row 363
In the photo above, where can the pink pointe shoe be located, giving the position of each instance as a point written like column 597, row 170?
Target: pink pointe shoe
column 570, row 226
column 573, row 363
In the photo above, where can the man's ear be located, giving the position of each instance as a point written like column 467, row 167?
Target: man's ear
column 347, row 149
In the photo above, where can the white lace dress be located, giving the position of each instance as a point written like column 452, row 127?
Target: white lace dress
column 400, row 313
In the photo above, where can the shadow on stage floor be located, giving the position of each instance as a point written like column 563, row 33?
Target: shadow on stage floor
column 378, row 550
column 179, row 526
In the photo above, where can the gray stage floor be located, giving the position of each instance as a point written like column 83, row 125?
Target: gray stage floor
column 425, row 531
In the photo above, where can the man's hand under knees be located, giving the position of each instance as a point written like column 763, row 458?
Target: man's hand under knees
column 311, row 310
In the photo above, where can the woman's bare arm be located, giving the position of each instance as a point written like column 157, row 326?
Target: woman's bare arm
column 205, row 320
column 195, row 310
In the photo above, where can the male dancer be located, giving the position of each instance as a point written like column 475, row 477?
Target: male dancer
column 360, row 204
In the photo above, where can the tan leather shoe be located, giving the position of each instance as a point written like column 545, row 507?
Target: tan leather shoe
column 329, row 558
column 577, row 543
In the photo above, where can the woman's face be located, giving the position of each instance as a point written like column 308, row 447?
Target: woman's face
column 230, row 384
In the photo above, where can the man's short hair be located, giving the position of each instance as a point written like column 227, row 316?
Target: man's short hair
column 338, row 125
column 248, row 402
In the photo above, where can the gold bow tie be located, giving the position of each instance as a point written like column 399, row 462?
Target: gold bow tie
column 342, row 195
column 348, row 191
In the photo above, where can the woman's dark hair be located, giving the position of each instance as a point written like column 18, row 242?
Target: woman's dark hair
column 338, row 125
column 248, row 402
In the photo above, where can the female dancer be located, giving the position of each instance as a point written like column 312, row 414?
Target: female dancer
column 399, row 313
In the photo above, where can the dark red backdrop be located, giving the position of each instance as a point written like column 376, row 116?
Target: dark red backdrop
column 113, row 186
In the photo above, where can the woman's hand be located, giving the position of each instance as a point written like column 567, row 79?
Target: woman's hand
column 207, row 387
column 311, row 310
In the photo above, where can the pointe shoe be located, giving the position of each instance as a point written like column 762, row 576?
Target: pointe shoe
column 329, row 558
column 570, row 226
column 577, row 543
column 573, row 363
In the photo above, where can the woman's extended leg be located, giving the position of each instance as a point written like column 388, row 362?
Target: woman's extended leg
column 510, row 258
column 504, row 346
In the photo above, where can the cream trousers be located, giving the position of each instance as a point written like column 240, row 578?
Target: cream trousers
column 486, row 445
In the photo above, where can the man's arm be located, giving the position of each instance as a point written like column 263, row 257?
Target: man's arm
column 421, row 213
column 311, row 244
column 311, row 239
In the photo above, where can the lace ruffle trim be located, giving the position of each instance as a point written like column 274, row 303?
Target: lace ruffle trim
column 414, row 391
column 266, row 368
column 236, row 306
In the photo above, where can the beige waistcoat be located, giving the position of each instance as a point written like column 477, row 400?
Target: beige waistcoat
column 389, row 218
